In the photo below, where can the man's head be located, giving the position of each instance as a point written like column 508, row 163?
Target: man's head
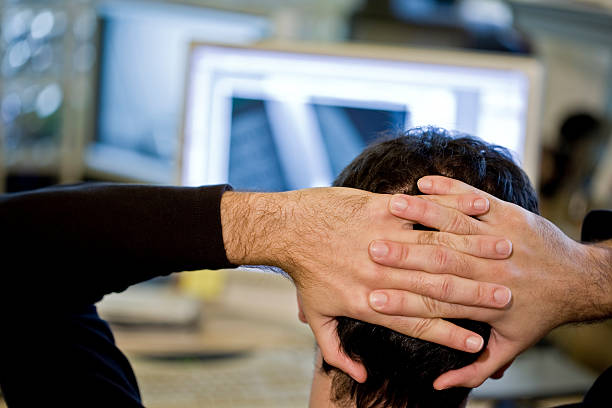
column 401, row 369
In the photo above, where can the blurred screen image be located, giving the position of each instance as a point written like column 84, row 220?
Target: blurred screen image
column 143, row 57
column 259, row 161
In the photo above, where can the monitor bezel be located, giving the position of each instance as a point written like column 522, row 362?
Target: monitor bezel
column 528, row 66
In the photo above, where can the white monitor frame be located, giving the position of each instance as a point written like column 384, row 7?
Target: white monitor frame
column 207, row 111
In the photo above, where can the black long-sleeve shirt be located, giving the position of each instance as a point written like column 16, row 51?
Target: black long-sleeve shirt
column 72, row 245
column 62, row 250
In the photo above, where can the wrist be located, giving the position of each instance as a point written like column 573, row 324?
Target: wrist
column 252, row 224
column 601, row 267
column 594, row 271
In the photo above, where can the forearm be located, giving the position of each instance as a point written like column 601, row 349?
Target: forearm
column 277, row 229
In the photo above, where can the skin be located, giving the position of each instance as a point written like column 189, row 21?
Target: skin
column 554, row 279
column 322, row 237
column 320, row 388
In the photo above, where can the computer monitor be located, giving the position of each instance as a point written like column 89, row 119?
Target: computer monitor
column 286, row 116
column 141, row 77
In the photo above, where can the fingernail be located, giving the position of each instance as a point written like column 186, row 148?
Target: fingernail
column 424, row 184
column 398, row 204
column 503, row 247
column 480, row 204
column 502, row 296
column 473, row 343
column 378, row 300
column 379, row 249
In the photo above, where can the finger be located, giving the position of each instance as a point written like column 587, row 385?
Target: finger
column 443, row 288
column 432, row 215
column 427, row 258
column 403, row 303
column 329, row 343
column 469, row 203
column 481, row 246
column 435, row 330
column 441, row 185
column 473, row 375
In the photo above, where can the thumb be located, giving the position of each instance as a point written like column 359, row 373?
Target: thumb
column 490, row 361
column 331, row 350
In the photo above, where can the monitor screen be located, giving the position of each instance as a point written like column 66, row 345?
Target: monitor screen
column 144, row 51
column 274, row 118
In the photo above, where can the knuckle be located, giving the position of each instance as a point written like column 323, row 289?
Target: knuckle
column 446, row 289
column 455, row 336
column 441, row 258
column 426, row 209
column 353, row 310
column 455, row 242
column 441, row 185
column 447, row 260
column 421, row 284
column 460, row 264
column 403, row 305
column 466, row 203
column 444, row 239
column 430, row 305
column 378, row 274
column 466, row 242
column 509, row 273
column 422, row 327
column 404, row 253
column 470, row 228
column 482, row 294
column 427, row 238
column 456, row 223
column 379, row 210
column 486, row 246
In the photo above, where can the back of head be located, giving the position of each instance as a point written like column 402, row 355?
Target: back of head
column 401, row 369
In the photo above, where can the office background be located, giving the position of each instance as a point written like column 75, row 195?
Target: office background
column 96, row 91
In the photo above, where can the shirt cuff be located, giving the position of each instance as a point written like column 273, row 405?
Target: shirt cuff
column 597, row 226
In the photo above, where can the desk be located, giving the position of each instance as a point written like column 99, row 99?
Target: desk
column 265, row 357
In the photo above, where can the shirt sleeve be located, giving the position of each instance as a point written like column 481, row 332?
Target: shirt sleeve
column 597, row 226
column 71, row 245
